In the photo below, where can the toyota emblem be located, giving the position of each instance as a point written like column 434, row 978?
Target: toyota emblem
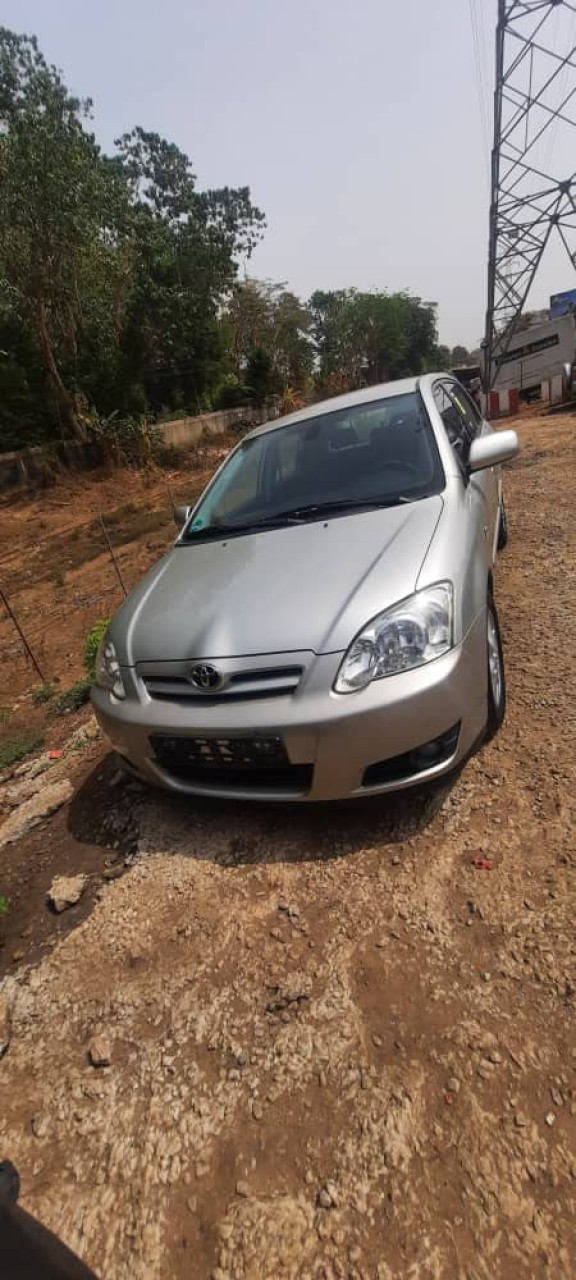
column 203, row 676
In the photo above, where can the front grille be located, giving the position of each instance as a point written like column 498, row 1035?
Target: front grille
column 232, row 763
column 241, row 686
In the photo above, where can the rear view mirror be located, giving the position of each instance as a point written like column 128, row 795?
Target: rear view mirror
column 181, row 515
column 491, row 450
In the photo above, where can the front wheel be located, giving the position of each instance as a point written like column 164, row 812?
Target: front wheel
column 496, row 679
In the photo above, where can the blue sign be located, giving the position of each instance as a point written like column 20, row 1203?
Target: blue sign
column 563, row 304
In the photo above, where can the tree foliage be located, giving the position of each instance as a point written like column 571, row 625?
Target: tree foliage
column 119, row 288
column 112, row 270
column 371, row 337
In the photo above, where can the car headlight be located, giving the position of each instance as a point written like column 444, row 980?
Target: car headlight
column 108, row 674
column 409, row 634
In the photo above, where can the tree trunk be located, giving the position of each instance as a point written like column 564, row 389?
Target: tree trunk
column 63, row 398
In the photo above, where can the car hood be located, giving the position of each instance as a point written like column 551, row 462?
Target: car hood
column 306, row 587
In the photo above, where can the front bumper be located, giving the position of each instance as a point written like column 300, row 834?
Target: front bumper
column 339, row 736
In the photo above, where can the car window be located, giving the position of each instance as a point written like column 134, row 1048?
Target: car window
column 467, row 408
column 380, row 452
column 459, row 421
column 451, row 417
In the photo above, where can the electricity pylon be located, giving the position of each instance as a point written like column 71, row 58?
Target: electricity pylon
column 533, row 196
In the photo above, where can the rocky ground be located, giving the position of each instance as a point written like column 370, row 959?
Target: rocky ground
column 271, row 1042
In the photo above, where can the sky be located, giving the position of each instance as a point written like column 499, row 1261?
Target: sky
column 360, row 127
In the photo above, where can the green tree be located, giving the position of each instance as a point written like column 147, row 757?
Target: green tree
column 57, row 211
column 440, row 358
column 366, row 338
column 113, row 271
column 460, row 355
column 265, row 317
column 185, row 247
column 261, row 377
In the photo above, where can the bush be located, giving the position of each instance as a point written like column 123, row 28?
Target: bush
column 14, row 749
column 78, row 694
column 231, row 395
column 74, row 697
column 43, row 694
column 127, row 440
column 91, row 644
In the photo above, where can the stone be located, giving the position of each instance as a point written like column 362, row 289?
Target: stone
column 39, row 1125
column 28, row 815
column 550, row 1118
column 242, row 1189
column 100, row 1051
column 66, row 891
column 257, row 1111
column 5, row 1026
column 328, row 1196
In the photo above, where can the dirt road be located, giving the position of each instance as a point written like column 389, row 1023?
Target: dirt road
column 337, row 1048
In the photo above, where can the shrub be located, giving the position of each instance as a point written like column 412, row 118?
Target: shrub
column 127, row 440
column 74, row 697
column 43, row 694
column 14, row 749
column 231, row 395
column 91, row 646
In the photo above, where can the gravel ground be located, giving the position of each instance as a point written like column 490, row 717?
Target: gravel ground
column 337, row 1049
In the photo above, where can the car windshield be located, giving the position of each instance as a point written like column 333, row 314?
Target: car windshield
column 375, row 454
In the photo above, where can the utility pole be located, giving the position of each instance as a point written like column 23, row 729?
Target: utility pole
column 533, row 193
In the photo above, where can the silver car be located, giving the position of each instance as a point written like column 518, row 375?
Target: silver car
column 324, row 626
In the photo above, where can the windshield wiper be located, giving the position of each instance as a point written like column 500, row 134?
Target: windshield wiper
column 341, row 504
column 228, row 530
column 296, row 515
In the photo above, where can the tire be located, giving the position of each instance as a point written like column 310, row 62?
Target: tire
column 496, row 676
column 502, row 527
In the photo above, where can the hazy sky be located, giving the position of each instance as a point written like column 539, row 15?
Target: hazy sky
column 356, row 124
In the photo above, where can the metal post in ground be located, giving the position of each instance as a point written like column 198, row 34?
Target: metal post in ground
column 27, row 647
column 112, row 556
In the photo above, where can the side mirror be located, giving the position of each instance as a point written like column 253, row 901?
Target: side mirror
column 181, row 515
column 491, row 450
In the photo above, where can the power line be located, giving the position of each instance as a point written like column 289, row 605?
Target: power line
column 480, row 87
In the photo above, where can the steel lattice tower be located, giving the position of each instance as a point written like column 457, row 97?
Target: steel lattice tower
column 534, row 110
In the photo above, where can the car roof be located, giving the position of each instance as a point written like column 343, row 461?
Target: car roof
column 381, row 391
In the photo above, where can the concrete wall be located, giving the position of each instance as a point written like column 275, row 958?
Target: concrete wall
column 187, row 431
column 36, row 468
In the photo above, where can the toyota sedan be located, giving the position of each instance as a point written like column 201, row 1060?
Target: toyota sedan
column 324, row 626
